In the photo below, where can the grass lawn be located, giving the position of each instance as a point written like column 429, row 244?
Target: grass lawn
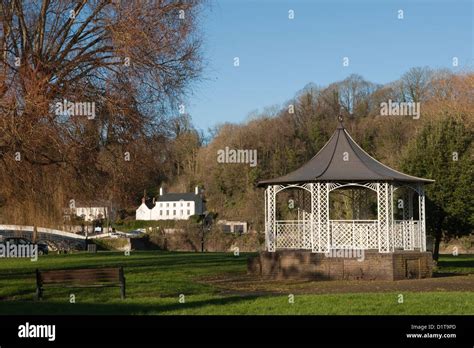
column 156, row 279
column 456, row 264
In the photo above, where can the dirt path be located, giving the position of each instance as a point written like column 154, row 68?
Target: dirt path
column 253, row 285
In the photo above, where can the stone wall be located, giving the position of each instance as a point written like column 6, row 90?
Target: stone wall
column 302, row 264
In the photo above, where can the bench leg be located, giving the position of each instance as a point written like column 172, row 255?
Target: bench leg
column 122, row 283
column 39, row 293
column 122, row 291
column 39, row 285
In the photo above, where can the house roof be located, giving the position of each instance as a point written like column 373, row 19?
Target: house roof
column 149, row 204
column 342, row 159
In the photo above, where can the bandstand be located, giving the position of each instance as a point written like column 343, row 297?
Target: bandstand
column 392, row 240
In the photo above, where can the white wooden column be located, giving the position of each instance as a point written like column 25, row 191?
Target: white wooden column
column 266, row 218
column 385, row 216
column 270, row 224
column 391, row 232
column 316, row 217
column 408, row 224
column 323, row 210
column 422, row 218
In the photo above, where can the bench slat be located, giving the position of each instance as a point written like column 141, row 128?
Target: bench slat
column 83, row 271
column 91, row 275
column 94, row 277
column 80, row 280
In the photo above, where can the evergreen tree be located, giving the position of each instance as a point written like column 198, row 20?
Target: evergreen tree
column 443, row 151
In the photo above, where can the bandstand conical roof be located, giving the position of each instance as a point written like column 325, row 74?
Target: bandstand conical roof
column 342, row 159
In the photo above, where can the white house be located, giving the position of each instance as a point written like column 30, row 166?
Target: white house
column 172, row 206
column 90, row 211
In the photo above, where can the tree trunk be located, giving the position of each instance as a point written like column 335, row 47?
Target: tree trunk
column 438, row 236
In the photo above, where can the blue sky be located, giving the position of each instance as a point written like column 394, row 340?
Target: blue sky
column 279, row 56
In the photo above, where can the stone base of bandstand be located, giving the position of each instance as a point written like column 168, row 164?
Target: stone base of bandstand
column 303, row 264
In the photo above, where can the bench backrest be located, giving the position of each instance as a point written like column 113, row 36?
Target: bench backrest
column 81, row 276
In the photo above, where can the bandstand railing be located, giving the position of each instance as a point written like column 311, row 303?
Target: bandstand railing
column 354, row 234
column 347, row 234
column 406, row 234
column 293, row 234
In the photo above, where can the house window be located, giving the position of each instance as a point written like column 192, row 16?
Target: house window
column 161, row 212
column 161, row 204
column 167, row 204
column 181, row 204
column 174, row 204
column 174, row 212
column 189, row 204
column 167, row 212
column 239, row 229
column 225, row 228
column 189, row 212
column 181, row 212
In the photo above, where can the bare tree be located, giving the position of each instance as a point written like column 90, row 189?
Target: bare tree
column 415, row 84
column 133, row 60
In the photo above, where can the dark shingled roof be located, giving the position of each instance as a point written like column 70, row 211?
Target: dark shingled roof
column 329, row 165
column 188, row 196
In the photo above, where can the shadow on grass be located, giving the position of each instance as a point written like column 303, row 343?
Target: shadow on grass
column 461, row 265
column 123, row 308
column 457, row 264
column 136, row 265
column 447, row 274
column 157, row 260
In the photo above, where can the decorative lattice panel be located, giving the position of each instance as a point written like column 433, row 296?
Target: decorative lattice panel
column 422, row 227
column 324, row 227
column 290, row 235
column 366, row 235
column 306, row 231
column 384, row 207
column 416, row 235
column 314, row 217
column 270, row 233
column 408, row 235
column 353, row 234
column 341, row 235
column 399, row 232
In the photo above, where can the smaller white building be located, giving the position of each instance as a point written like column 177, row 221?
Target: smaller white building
column 172, row 206
column 90, row 211
column 238, row 227
column 143, row 212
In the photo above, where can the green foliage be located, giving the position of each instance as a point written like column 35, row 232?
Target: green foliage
column 432, row 154
column 111, row 243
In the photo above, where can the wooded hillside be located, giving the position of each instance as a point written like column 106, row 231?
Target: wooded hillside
column 437, row 145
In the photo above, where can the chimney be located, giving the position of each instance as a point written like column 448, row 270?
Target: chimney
column 143, row 200
column 153, row 200
column 161, row 191
column 196, row 190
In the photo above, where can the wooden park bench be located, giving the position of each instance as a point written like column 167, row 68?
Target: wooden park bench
column 80, row 278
